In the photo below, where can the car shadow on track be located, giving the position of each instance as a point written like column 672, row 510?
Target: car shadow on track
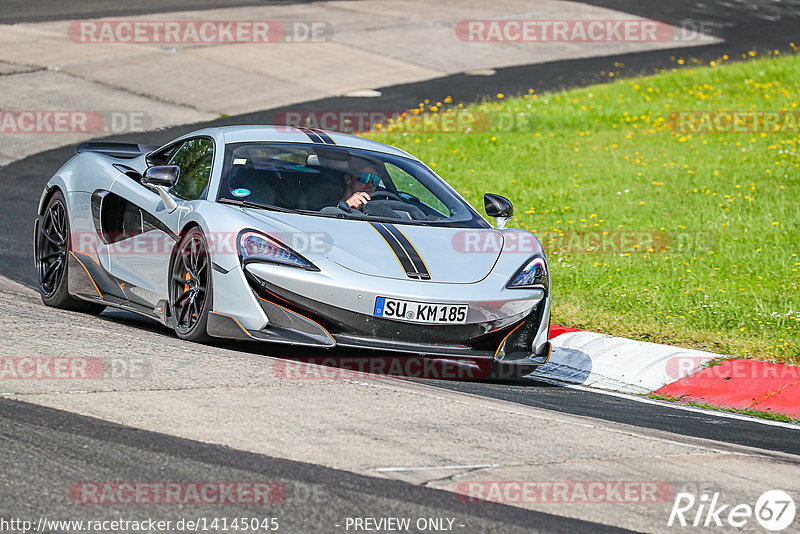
column 569, row 366
column 566, row 366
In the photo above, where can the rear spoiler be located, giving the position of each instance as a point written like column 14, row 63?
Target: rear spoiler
column 115, row 150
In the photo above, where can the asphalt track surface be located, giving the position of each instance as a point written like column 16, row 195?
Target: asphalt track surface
column 37, row 433
column 13, row 11
column 69, row 447
column 745, row 26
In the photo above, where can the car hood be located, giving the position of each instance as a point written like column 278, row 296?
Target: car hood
column 370, row 249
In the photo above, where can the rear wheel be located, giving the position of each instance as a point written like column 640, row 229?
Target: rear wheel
column 190, row 287
column 51, row 250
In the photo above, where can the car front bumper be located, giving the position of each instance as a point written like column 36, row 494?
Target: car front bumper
column 324, row 310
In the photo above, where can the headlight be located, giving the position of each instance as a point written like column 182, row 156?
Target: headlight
column 533, row 273
column 259, row 247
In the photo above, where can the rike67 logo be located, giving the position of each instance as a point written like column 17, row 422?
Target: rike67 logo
column 774, row 510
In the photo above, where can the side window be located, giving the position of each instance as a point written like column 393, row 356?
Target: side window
column 161, row 157
column 194, row 157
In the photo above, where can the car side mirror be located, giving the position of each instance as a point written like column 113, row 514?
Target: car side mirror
column 498, row 207
column 163, row 175
column 162, row 178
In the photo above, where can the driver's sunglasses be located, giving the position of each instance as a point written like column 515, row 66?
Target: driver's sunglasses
column 367, row 177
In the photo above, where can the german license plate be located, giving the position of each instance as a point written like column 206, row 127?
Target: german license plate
column 420, row 312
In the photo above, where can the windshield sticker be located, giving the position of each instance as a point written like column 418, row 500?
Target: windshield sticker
column 240, row 161
column 241, row 192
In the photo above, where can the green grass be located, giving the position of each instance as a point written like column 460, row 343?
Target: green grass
column 723, row 271
column 764, row 414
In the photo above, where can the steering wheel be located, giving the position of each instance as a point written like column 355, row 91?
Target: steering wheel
column 386, row 195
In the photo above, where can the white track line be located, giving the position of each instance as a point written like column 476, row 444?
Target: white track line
column 646, row 400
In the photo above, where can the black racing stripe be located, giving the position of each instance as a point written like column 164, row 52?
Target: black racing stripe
column 400, row 254
column 312, row 135
column 325, row 137
column 419, row 265
column 406, row 253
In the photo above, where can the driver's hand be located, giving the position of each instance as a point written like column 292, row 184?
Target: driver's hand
column 358, row 199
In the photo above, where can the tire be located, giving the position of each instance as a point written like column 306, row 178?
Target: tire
column 52, row 246
column 190, row 287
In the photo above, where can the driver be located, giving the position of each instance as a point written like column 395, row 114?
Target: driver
column 360, row 182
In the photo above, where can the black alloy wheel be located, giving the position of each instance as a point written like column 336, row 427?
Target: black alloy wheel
column 190, row 287
column 52, row 252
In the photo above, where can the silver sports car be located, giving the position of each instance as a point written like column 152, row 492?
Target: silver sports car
column 296, row 236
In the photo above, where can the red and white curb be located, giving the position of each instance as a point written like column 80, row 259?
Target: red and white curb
column 618, row 364
column 745, row 384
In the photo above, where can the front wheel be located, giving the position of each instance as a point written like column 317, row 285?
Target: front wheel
column 190, row 287
column 52, row 250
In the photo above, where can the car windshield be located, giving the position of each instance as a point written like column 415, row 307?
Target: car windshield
column 318, row 180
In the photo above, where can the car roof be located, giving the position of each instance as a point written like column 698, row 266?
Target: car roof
column 290, row 134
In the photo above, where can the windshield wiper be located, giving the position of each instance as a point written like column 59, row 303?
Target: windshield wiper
column 256, row 205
